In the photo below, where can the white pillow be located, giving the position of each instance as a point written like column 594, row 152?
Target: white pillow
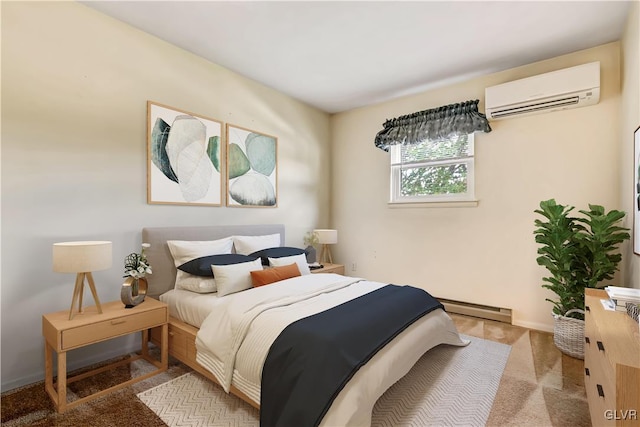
column 235, row 277
column 301, row 260
column 185, row 250
column 247, row 245
column 193, row 283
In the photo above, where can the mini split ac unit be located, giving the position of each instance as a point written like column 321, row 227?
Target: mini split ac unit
column 558, row 90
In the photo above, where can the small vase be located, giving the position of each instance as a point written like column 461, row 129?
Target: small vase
column 311, row 254
column 133, row 291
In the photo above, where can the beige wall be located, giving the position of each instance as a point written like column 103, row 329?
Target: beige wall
column 630, row 118
column 74, row 90
column 484, row 254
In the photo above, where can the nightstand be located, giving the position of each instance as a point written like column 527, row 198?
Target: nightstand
column 90, row 327
column 330, row 268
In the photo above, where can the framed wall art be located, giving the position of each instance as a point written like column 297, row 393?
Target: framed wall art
column 252, row 168
column 183, row 157
column 636, row 191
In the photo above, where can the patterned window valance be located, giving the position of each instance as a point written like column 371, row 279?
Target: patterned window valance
column 435, row 124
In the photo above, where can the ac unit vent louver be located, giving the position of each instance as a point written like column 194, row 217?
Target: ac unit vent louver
column 535, row 107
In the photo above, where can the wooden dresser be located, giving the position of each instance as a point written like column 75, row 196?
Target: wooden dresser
column 611, row 364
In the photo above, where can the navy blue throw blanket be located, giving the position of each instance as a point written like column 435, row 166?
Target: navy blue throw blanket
column 313, row 358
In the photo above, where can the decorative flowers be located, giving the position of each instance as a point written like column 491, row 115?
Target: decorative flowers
column 136, row 265
column 311, row 238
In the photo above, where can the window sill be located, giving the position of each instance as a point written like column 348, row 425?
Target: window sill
column 440, row 204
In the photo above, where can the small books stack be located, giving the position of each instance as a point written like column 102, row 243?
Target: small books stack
column 621, row 296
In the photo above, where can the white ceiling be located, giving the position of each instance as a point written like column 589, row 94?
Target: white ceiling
column 341, row 55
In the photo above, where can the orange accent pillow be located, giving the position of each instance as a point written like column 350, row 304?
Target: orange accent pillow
column 274, row 274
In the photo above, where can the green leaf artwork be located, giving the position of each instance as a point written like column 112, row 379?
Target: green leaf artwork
column 159, row 137
column 213, row 150
column 252, row 164
column 261, row 152
column 238, row 162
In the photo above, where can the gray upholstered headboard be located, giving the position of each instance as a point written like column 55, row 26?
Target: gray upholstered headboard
column 159, row 257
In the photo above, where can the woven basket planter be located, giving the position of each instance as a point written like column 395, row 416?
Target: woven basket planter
column 568, row 334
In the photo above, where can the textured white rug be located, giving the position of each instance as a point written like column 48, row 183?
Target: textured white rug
column 449, row 386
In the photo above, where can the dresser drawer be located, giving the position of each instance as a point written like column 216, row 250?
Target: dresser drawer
column 598, row 364
column 599, row 406
column 99, row 331
column 602, row 387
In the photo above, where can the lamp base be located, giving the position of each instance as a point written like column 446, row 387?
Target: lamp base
column 325, row 255
column 78, row 293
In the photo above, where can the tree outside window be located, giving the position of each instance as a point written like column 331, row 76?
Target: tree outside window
column 433, row 171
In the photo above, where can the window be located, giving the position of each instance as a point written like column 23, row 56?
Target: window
column 433, row 171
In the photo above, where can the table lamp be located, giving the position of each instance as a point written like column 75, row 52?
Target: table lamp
column 82, row 258
column 326, row 237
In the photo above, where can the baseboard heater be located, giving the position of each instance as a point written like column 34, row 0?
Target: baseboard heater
column 477, row 310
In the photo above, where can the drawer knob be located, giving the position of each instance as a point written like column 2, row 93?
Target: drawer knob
column 600, row 346
column 586, row 307
column 118, row 322
column 600, row 390
column 586, row 339
column 586, row 371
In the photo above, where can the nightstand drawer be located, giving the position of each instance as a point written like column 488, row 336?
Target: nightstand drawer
column 99, row 331
column 330, row 268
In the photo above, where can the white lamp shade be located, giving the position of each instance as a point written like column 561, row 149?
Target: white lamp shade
column 327, row 237
column 81, row 257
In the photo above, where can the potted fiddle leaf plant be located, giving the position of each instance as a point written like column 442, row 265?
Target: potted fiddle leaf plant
column 579, row 252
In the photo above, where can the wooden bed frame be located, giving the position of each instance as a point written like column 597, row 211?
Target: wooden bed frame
column 182, row 336
column 182, row 346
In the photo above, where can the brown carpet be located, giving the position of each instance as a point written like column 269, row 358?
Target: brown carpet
column 540, row 387
column 32, row 406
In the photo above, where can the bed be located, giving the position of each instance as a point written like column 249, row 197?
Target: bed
column 227, row 339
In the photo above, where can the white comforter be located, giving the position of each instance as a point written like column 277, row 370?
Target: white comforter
column 235, row 338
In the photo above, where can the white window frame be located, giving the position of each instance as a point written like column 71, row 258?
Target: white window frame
column 396, row 196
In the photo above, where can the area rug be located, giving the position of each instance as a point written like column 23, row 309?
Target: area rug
column 448, row 386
